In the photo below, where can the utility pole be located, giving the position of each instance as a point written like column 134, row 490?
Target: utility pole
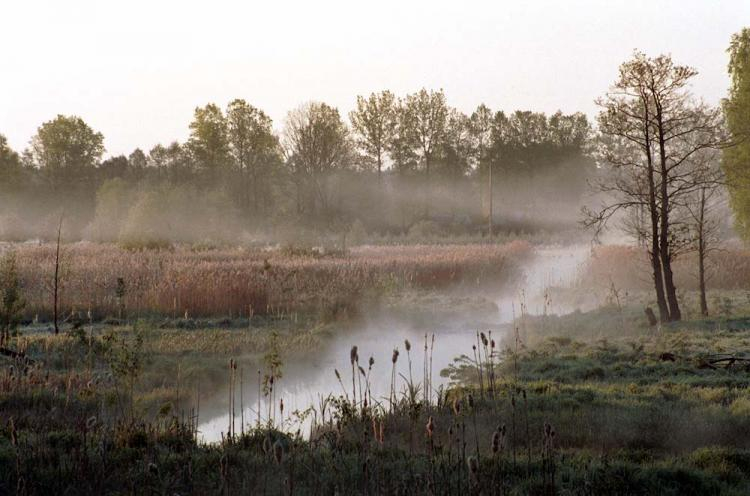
column 489, row 217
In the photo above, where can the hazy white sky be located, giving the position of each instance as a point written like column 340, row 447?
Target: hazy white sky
column 135, row 70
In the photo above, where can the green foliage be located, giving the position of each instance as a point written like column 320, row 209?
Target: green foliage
column 736, row 159
column 67, row 148
column 11, row 301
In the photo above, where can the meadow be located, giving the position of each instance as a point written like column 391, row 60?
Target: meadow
column 589, row 402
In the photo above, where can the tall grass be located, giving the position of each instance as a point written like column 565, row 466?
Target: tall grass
column 247, row 282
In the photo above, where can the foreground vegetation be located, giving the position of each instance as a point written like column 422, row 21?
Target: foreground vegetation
column 551, row 409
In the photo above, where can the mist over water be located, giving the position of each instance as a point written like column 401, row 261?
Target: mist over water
column 307, row 379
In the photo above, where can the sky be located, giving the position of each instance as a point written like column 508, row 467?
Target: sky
column 136, row 70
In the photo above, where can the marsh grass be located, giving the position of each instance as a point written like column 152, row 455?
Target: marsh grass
column 564, row 415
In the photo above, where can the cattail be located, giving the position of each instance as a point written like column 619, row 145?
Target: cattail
column 354, row 355
column 278, row 451
column 492, row 344
column 267, row 445
column 371, row 362
column 430, row 427
column 484, row 338
column 407, row 345
column 495, row 442
column 281, row 407
column 473, row 469
column 394, row 357
column 362, row 371
column 470, row 400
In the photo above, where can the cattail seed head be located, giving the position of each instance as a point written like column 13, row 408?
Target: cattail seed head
column 407, row 345
column 495, row 442
column 394, row 357
column 281, row 406
column 473, row 465
column 484, row 338
column 354, row 355
column 278, row 451
column 371, row 362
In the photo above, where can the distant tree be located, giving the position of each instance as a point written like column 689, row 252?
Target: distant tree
column 316, row 142
column 255, row 152
column 173, row 163
column 427, row 121
column 374, row 124
column 67, row 150
column 400, row 146
column 480, row 131
column 137, row 163
column 114, row 167
column 736, row 159
column 10, row 167
column 456, row 149
column 209, row 140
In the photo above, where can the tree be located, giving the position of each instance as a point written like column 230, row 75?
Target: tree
column 254, row 150
column 316, row 143
column 736, row 159
column 480, row 130
column 137, row 162
column 427, row 120
column 209, row 140
column 374, row 124
column 114, row 167
column 10, row 166
column 651, row 129
column 456, row 153
column 702, row 208
column 67, row 150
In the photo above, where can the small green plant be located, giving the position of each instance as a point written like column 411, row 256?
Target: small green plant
column 11, row 301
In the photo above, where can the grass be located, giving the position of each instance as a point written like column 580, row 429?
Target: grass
column 624, row 421
column 587, row 403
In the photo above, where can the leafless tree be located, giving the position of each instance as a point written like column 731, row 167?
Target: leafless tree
column 651, row 128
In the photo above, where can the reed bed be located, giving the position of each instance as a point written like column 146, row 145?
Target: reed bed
column 101, row 281
column 627, row 268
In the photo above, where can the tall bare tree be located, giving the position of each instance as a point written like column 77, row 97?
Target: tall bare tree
column 651, row 129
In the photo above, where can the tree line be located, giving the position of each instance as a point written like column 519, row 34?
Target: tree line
column 392, row 163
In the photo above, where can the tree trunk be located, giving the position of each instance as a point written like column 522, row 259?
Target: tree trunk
column 664, row 242
column 654, row 253
column 702, row 253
